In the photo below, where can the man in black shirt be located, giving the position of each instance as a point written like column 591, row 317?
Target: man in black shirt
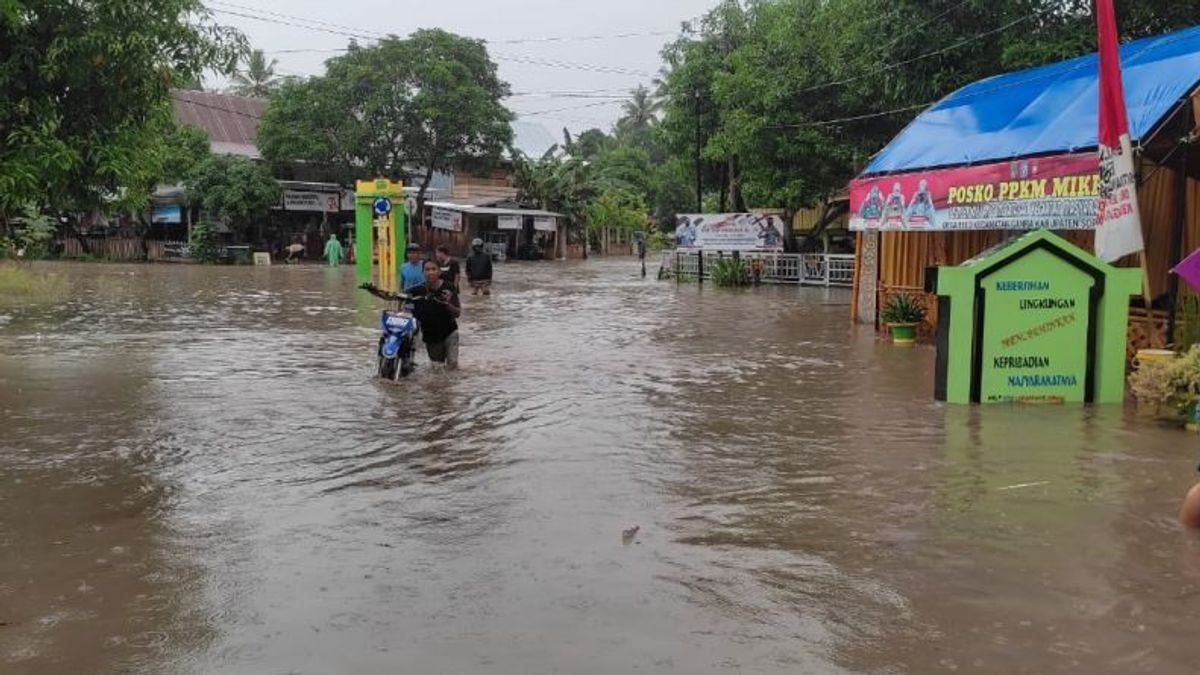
column 449, row 265
column 436, row 307
column 479, row 269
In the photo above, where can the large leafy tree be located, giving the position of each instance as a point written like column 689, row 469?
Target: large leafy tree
column 232, row 188
column 84, row 99
column 430, row 102
column 184, row 148
column 258, row 78
column 777, row 103
column 692, row 116
column 310, row 121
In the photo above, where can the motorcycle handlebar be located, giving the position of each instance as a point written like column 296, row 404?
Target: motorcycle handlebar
column 388, row 295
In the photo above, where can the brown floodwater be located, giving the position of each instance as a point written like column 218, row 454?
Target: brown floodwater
column 199, row 474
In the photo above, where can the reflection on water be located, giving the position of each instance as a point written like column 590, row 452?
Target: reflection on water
column 198, row 474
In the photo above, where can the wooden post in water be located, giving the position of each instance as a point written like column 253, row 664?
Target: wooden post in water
column 1177, row 244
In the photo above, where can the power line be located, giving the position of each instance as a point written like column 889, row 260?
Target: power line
column 581, row 38
column 936, row 52
column 513, row 58
column 535, row 94
column 856, row 118
column 555, row 110
column 200, row 104
column 231, row 111
column 509, row 41
column 293, row 17
column 307, row 50
column 282, row 22
column 912, row 31
column 570, row 65
column 979, row 92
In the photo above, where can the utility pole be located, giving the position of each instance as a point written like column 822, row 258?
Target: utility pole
column 699, row 168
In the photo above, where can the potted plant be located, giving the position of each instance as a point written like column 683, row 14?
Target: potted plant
column 1168, row 389
column 903, row 313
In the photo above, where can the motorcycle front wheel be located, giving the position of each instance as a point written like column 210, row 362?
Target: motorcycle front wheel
column 389, row 368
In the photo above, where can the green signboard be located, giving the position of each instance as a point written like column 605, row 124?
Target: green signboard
column 1035, row 330
column 1033, row 320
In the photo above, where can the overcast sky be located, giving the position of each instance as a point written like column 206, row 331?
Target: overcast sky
column 516, row 32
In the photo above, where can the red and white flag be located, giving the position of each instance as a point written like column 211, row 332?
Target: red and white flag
column 1118, row 223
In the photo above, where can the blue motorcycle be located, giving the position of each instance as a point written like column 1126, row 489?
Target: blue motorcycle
column 397, row 344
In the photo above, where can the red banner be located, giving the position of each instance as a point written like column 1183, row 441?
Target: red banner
column 1059, row 192
column 1118, row 224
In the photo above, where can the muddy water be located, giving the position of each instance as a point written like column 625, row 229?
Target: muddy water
column 198, row 475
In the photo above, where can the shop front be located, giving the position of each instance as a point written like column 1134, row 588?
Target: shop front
column 305, row 217
column 508, row 233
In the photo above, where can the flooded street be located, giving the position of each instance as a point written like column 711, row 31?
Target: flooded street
column 199, row 474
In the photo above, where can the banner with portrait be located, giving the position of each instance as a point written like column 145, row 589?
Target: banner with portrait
column 1058, row 192
column 729, row 231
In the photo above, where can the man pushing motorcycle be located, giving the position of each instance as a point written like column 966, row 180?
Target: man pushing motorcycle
column 436, row 307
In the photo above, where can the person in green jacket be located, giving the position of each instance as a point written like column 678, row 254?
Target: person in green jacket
column 333, row 251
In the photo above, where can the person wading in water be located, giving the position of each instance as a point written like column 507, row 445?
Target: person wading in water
column 436, row 306
column 449, row 265
column 1189, row 513
column 479, row 269
column 333, row 251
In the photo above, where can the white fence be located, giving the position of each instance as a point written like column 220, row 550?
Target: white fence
column 806, row 269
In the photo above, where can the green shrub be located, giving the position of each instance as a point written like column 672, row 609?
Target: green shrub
column 1168, row 389
column 728, row 272
column 903, row 308
column 203, row 244
column 34, row 237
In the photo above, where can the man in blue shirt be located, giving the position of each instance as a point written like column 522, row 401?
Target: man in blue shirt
column 411, row 272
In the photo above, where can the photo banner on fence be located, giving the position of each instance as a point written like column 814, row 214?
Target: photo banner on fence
column 1059, row 192
column 447, row 219
column 729, row 232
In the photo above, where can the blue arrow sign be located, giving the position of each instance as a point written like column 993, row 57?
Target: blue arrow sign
column 382, row 206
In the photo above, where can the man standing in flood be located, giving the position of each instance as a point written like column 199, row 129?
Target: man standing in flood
column 449, row 265
column 412, row 271
column 479, row 269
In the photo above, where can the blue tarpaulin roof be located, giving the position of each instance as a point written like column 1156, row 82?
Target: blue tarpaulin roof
column 1046, row 109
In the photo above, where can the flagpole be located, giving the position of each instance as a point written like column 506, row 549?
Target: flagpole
column 1118, row 217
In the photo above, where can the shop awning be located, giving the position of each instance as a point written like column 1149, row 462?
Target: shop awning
column 1045, row 110
column 492, row 211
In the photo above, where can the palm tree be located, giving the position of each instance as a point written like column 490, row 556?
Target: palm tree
column 259, row 77
column 640, row 110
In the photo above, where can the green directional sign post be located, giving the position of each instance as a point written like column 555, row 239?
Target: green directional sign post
column 1036, row 319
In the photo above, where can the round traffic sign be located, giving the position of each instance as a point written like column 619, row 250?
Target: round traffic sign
column 410, row 206
column 382, row 206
